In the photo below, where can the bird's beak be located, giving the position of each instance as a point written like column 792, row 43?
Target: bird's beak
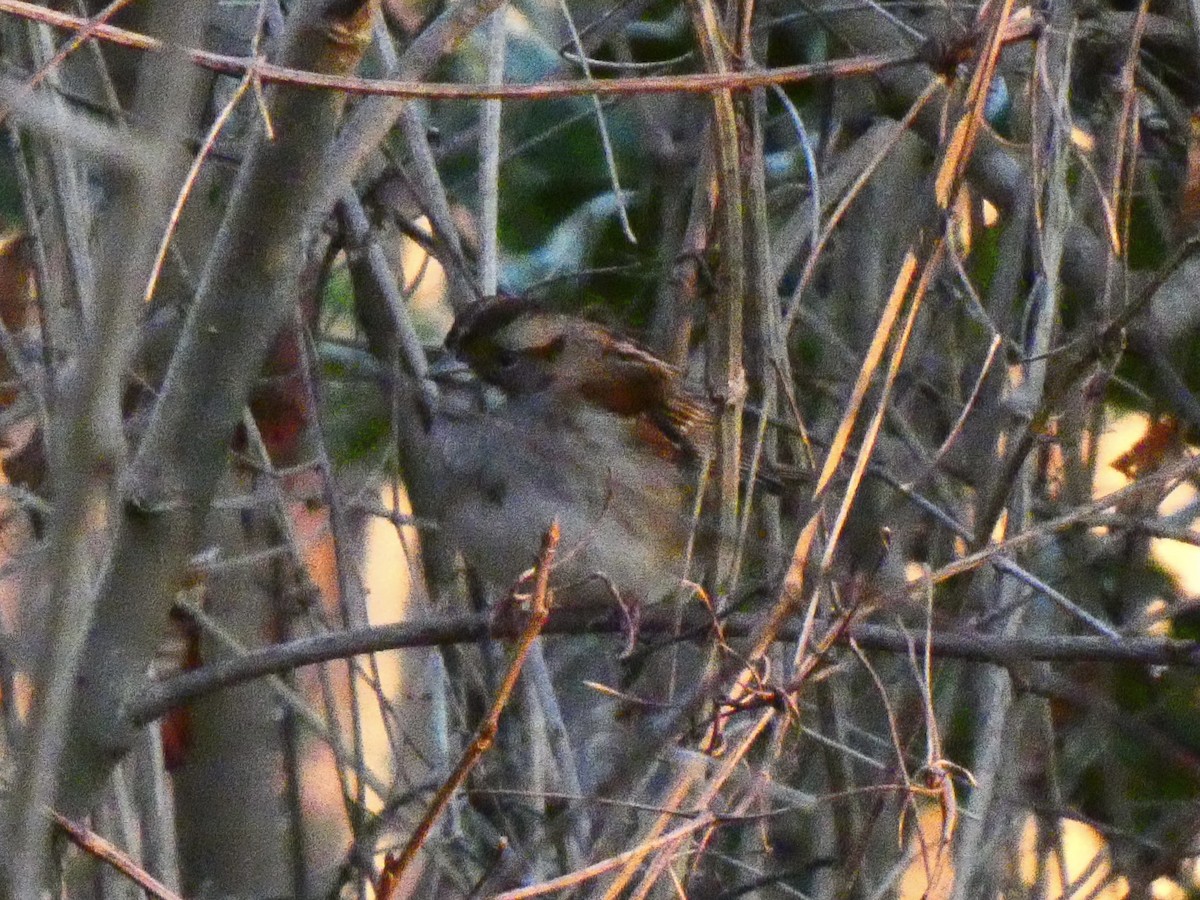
column 449, row 368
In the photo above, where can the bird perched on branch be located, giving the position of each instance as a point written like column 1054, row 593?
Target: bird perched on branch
column 545, row 415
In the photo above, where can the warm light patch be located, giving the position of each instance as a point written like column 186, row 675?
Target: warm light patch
column 930, row 875
column 1001, row 530
column 1082, row 140
column 425, row 281
column 1166, row 889
column 1083, row 850
column 1117, row 440
column 914, row 572
column 22, row 697
column 1156, row 613
column 1119, row 443
column 387, row 584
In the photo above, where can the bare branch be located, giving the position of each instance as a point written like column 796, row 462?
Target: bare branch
column 94, row 845
column 972, row 646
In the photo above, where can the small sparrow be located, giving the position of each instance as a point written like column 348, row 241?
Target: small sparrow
column 549, row 416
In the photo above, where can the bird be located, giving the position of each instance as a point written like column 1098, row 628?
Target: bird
column 545, row 415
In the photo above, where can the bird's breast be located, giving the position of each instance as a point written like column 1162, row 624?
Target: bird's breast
column 623, row 509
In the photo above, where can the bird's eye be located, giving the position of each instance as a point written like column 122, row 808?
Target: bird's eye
column 506, row 359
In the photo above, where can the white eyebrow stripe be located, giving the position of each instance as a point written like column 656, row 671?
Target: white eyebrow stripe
column 625, row 349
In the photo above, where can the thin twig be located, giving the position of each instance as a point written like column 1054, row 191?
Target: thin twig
column 607, row 865
column 1075, row 517
column 269, row 73
column 189, row 182
column 77, row 40
column 396, row 865
column 489, row 158
column 94, row 845
column 610, row 160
